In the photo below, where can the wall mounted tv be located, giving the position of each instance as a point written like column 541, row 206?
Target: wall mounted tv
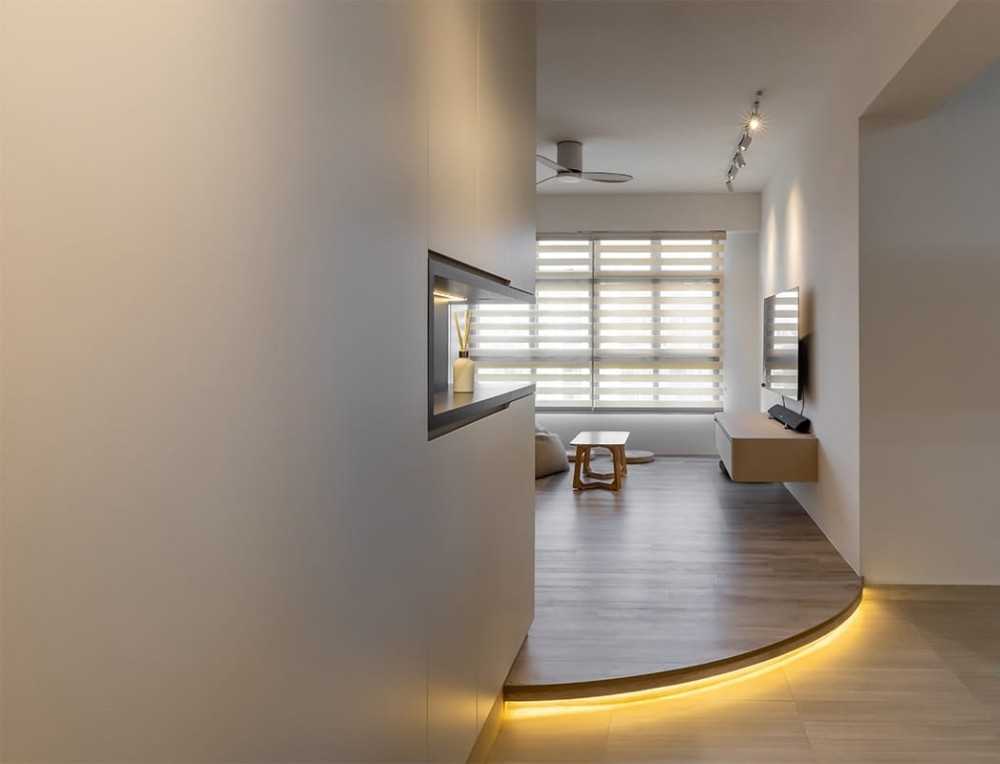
column 781, row 344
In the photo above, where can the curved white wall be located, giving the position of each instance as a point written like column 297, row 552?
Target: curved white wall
column 809, row 239
column 930, row 316
column 225, row 536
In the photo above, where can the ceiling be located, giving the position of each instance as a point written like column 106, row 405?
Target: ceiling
column 659, row 89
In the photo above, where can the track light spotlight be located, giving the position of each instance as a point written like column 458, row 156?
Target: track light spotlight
column 755, row 122
column 752, row 122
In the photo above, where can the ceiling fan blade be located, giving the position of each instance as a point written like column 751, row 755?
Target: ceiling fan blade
column 540, row 182
column 550, row 164
column 606, row 177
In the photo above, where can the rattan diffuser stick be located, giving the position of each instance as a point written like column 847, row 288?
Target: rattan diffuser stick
column 464, row 334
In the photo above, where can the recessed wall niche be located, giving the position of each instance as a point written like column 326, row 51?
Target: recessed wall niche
column 452, row 283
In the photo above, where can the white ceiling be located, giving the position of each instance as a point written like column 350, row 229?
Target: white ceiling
column 658, row 89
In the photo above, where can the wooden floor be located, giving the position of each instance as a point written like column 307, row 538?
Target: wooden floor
column 914, row 677
column 680, row 569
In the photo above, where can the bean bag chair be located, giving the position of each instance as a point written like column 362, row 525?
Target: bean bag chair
column 550, row 454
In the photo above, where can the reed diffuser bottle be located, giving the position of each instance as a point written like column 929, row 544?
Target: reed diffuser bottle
column 464, row 371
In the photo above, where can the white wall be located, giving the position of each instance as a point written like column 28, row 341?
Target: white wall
column 225, row 536
column 663, row 434
column 930, row 313
column 742, row 322
column 566, row 213
column 739, row 215
column 809, row 239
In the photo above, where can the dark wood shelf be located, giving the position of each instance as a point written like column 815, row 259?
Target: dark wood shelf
column 450, row 410
column 474, row 284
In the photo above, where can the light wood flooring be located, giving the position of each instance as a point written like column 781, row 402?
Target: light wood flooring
column 680, row 568
column 914, row 677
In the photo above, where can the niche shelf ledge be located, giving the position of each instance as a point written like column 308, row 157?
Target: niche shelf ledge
column 451, row 410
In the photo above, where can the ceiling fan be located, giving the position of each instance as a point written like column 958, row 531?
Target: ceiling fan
column 569, row 167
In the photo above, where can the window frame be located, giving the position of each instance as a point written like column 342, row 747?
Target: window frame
column 594, row 279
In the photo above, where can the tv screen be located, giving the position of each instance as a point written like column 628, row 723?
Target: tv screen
column 781, row 344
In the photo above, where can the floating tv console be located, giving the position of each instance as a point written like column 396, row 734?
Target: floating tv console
column 755, row 449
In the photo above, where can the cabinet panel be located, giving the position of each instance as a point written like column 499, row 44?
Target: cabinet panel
column 452, row 49
column 455, row 606
column 510, row 548
column 506, row 172
column 481, row 199
column 481, row 560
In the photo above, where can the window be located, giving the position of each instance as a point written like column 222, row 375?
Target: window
column 621, row 321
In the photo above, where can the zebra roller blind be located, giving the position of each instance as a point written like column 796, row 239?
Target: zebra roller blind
column 621, row 321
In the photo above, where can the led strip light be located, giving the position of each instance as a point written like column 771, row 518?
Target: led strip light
column 528, row 709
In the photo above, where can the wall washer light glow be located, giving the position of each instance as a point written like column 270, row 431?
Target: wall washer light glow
column 533, row 709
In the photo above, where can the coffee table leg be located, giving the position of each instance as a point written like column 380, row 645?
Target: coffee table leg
column 577, row 466
column 616, row 481
column 588, row 469
column 581, row 466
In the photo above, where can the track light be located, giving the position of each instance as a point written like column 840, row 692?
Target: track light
column 755, row 122
column 751, row 123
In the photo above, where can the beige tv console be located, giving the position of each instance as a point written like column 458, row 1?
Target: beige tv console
column 755, row 449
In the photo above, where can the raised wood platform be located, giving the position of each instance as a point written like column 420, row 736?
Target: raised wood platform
column 681, row 575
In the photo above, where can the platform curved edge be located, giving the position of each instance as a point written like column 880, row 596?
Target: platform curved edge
column 666, row 679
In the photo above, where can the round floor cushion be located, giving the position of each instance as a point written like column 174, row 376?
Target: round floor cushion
column 550, row 454
column 638, row 457
column 631, row 456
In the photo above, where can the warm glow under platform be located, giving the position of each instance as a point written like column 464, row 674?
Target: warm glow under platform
column 820, row 639
column 682, row 681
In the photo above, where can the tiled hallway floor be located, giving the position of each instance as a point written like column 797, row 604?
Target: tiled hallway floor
column 914, row 678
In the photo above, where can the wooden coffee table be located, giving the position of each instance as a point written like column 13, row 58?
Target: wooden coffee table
column 614, row 442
